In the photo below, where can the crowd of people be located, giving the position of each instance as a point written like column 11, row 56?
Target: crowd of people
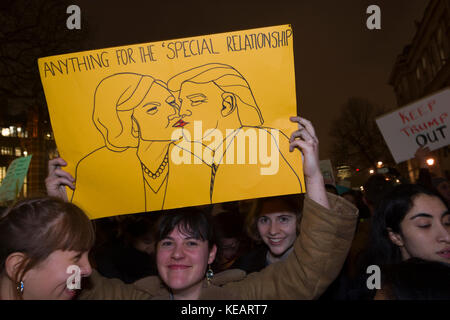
column 317, row 245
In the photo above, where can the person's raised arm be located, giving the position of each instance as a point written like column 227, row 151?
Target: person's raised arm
column 58, row 179
column 306, row 141
column 326, row 228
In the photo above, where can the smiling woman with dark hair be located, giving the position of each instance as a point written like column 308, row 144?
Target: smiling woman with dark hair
column 186, row 244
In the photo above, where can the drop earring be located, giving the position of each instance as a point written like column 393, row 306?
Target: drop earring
column 209, row 274
column 20, row 287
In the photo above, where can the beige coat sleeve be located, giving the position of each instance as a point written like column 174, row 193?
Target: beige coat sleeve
column 318, row 256
column 101, row 288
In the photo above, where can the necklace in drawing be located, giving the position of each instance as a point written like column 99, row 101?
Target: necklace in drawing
column 160, row 170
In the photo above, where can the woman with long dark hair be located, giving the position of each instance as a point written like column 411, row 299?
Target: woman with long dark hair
column 409, row 222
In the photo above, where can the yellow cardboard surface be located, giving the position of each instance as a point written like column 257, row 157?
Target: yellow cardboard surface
column 176, row 123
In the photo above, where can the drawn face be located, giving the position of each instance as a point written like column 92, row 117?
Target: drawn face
column 277, row 226
column 425, row 230
column 182, row 261
column 156, row 114
column 48, row 280
column 200, row 102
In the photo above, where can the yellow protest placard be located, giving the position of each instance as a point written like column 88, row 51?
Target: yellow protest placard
column 176, row 123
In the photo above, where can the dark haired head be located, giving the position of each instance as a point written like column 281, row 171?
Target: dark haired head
column 229, row 224
column 38, row 227
column 137, row 227
column 390, row 212
column 375, row 188
column 189, row 221
column 417, row 279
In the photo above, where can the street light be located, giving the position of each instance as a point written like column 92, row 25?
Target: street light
column 430, row 161
column 379, row 164
column 371, row 171
column 5, row 132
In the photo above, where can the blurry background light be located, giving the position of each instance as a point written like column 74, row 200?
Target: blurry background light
column 430, row 161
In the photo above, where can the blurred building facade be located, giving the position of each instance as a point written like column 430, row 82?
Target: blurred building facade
column 422, row 69
column 22, row 136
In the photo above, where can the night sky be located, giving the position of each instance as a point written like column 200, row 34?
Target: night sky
column 336, row 56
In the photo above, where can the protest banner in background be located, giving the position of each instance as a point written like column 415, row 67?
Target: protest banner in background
column 176, row 123
column 424, row 123
column 13, row 181
column 327, row 171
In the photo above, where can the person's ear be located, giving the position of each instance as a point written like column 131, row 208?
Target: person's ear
column 134, row 128
column 13, row 263
column 396, row 238
column 212, row 254
column 228, row 103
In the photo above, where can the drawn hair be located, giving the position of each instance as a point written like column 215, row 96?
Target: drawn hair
column 38, row 227
column 228, row 79
column 114, row 101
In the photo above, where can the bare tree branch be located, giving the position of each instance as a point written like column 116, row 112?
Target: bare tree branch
column 357, row 140
column 31, row 29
